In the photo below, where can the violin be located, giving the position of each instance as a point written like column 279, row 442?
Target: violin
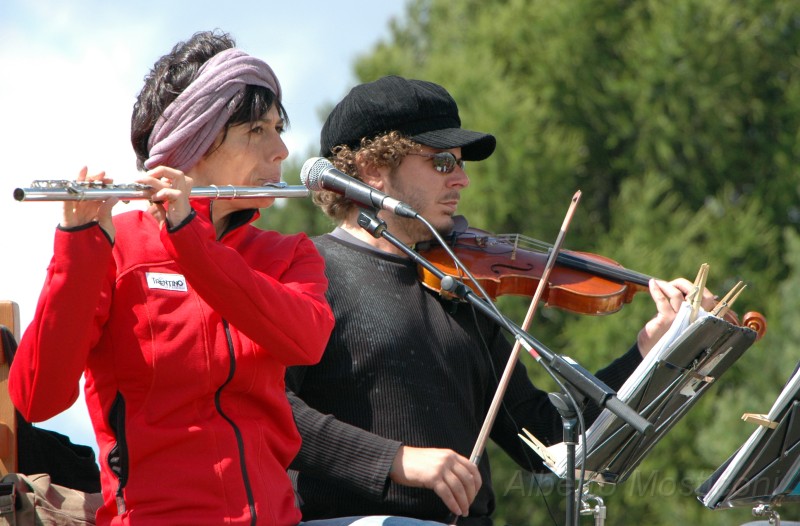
column 580, row 282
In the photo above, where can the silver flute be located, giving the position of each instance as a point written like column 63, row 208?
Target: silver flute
column 63, row 190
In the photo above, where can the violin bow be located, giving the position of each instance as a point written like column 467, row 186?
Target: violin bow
column 502, row 385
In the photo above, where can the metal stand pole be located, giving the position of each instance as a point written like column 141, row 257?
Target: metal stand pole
column 569, row 421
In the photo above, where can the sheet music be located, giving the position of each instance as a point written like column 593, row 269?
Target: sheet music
column 678, row 327
column 668, row 381
column 649, row 362
column 719, row 491
column 791, row 483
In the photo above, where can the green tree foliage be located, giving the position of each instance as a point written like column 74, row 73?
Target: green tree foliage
column 680, row 123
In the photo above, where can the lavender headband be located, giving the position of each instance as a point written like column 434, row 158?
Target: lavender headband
column 192, row 121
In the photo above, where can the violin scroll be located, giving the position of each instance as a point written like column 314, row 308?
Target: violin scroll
column 752, row 320
column 755, row 321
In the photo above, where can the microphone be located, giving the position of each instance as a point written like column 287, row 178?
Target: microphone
column 318, row 173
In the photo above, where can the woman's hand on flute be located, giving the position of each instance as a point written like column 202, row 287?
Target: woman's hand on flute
column 171, row 191
column 78, row 213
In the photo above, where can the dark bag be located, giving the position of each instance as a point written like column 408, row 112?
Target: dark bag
column 44, row 451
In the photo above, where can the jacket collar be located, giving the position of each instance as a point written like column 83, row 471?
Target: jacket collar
column 238, row 219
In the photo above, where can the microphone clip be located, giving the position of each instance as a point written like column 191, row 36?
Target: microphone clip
column 368, row 220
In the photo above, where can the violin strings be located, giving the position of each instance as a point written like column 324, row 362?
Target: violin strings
column 573, row 260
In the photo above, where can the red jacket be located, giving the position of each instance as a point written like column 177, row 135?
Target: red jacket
column 183, row 341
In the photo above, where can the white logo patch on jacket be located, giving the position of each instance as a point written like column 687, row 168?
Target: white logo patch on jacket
column 157, row 280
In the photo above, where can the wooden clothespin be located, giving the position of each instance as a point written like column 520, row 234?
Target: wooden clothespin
column 695, row 297
column 762, row 420
column 536, row 445
column 725, row 303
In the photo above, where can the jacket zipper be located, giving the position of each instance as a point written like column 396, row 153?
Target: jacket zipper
column 236, row 430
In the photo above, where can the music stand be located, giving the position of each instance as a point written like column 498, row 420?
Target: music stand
column 670, row 380
column 765, row 471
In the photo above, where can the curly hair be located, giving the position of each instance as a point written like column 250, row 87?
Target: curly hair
column 173, row 72
column 386, row 150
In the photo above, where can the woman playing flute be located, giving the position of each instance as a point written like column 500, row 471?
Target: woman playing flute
column 184, row 320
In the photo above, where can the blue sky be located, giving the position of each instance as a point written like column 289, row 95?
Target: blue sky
column 71, row 71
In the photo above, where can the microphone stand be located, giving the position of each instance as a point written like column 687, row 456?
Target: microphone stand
column 578, row 378
column 569, row 424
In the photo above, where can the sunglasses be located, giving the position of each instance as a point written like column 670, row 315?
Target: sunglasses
column 443, row 162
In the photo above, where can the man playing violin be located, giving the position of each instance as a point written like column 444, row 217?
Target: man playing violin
column 392, row 411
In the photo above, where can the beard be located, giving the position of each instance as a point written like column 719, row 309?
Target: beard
column 415, row 230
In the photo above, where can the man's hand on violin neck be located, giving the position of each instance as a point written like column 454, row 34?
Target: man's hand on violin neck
column 451, row 476
column 668, row 297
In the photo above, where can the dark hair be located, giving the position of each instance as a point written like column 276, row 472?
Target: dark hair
column 172, row 73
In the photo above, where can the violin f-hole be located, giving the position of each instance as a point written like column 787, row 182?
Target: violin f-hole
column 495, row 266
